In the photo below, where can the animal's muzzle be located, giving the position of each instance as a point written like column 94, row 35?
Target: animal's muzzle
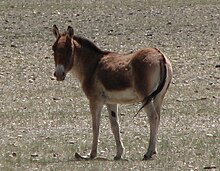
column 60, row 73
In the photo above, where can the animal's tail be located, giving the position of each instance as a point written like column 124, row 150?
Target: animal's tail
column 163, row 76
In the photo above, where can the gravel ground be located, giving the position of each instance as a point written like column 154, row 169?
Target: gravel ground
column 44, row 122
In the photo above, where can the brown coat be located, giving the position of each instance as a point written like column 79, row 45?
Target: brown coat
column 109, row 78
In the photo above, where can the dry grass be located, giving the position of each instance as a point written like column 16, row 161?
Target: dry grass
column 44, row 122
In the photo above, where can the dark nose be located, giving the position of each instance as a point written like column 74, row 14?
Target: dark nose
column 59, row 73
column 55, row 74
column 59, row 76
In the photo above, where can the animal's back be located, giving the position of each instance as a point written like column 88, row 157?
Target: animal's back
column 114, row 71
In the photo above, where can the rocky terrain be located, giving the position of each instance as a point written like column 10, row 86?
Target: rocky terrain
column 44, row 122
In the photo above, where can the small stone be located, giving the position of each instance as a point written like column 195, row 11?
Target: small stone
column 30, row 81
column 13, row 45
column 179, row 100
column 209, row 135
column 149, row 34
column 210, row 167
column 34, row 155
column 217, row 65
column 71, row 142
column 13, row 154
column 55, row 99
column 55, row 155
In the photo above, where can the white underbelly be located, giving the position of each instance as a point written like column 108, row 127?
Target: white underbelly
column 120, row 97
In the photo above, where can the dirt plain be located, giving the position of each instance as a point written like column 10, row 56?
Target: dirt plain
column 44, row 122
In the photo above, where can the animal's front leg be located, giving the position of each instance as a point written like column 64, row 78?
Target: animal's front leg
column 95, row 109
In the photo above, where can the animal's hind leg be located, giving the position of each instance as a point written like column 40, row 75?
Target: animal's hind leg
column 113, row 115
column 158, row 102
column 154, row 120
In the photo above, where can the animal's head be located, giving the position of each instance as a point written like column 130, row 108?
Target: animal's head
column 63, row 52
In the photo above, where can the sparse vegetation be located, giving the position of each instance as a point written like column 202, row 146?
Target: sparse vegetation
column 44, row 122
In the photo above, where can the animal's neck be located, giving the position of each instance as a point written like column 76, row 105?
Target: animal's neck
column 86, row 58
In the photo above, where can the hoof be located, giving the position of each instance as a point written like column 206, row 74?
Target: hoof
column 117, row 158
column 79, row 157
column 147, row 157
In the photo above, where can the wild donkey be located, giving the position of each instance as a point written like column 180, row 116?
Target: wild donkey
column 108, row 78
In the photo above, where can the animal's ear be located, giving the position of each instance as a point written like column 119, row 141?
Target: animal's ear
column 56, row 31
column 70, row 31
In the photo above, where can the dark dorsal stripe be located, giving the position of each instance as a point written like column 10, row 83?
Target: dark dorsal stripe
column 86, row 43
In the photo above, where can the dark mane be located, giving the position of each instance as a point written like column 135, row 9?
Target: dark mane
column 88, row 44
